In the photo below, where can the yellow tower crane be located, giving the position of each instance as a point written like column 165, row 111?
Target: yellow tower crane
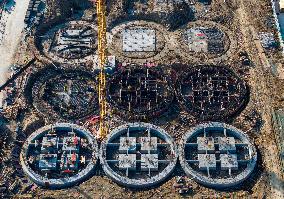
column 102, row 43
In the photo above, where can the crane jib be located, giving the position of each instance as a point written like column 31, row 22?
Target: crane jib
column 102, row 43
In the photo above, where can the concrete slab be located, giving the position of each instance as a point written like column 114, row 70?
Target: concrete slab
column 127, row 144
column 205, row 144
column 227, row 144
column 139, row 40
column 148, row 144
column 127, row 161
column 207, row 161
column 229, row 161
column 149, row 162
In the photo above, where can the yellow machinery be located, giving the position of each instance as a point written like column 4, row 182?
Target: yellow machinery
column 102, row 43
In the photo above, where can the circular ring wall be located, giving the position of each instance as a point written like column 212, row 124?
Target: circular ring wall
column 138, row 93
column 72, row 42
column 138, row 155
column 59, row 155
column 217, row 155
column 205, row 39
column 138, row 41
column 67, row 94
column 212, row 92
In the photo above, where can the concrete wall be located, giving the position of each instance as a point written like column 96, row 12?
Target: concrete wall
column 220, row 182
column 63, row 182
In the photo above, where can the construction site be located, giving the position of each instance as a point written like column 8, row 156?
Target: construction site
column 141, row 99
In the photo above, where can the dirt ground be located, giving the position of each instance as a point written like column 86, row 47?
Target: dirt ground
column 245, row 18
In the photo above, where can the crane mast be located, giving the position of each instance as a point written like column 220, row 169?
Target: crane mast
column 102, row 43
